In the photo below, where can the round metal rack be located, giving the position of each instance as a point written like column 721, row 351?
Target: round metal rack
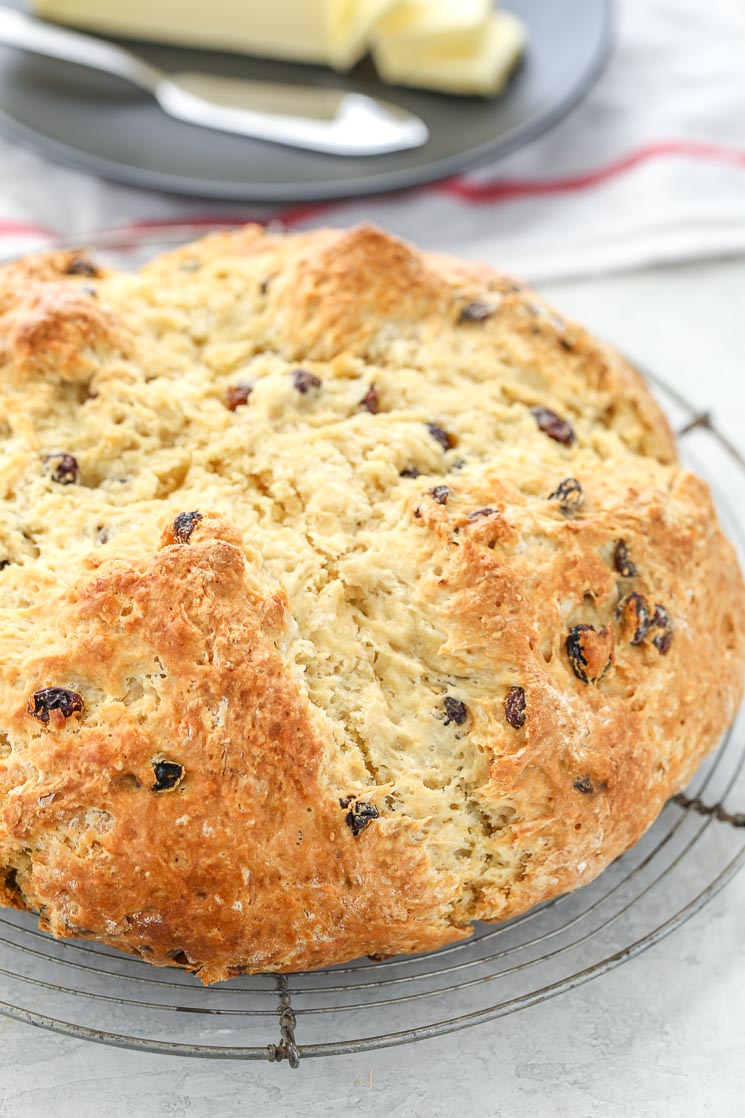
column 693, row 849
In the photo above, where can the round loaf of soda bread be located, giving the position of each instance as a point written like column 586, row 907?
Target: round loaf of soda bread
column 348, row 595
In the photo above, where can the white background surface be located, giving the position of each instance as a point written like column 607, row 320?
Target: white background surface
column 661, row 1037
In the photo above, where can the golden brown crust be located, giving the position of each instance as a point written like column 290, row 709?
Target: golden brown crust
column 330, row 707
column 222, row 870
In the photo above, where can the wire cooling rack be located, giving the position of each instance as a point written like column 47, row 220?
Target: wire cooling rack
column 694, row 848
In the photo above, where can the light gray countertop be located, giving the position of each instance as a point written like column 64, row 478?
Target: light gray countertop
column 663, row 1036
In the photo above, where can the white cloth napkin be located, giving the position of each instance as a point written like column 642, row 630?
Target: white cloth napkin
column 649, row 168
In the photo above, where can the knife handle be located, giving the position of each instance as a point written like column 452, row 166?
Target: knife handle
column 18, row 30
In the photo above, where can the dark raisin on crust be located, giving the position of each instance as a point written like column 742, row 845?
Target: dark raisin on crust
column 569, row 495
column 590, row 652
column 440, row 493
column 584, row 785
column 360, row 814
column 4, row 563
column 621, row 561
column 514, row 707
column 81, row 266
column 558, row 429
column 409, row 471
column 48, row 699
column 167, row 775
column 184, row 525
column 477, row 514
column 370, row 401
column 64, row 468
column 266, row 284
column 455, row 710
column 634, row 611
column 237, row 395
column 575, row 651
column 477, row 311
column 441, row 436
column 303, row 381
column 661, row 620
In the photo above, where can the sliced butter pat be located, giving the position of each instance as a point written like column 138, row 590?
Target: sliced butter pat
column 483, row 71
column 352, row 24
column 335, row 32
column 416, row 25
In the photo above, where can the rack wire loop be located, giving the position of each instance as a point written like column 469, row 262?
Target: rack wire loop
column 287, row 1049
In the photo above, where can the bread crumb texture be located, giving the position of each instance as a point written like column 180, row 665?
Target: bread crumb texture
column 347, row 595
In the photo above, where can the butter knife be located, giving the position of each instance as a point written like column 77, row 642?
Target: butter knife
column 339, row 122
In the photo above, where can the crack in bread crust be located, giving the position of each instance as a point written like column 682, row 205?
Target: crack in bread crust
column 294, row 746
column 222, row 868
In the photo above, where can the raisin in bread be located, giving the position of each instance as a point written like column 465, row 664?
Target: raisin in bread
column 348, row 595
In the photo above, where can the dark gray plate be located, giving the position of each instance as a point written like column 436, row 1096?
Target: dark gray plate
column 100, row 124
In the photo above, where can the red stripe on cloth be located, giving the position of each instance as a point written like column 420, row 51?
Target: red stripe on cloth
column 508, row 189
column 10, row 228
column 298, row 214
column 459, row 187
